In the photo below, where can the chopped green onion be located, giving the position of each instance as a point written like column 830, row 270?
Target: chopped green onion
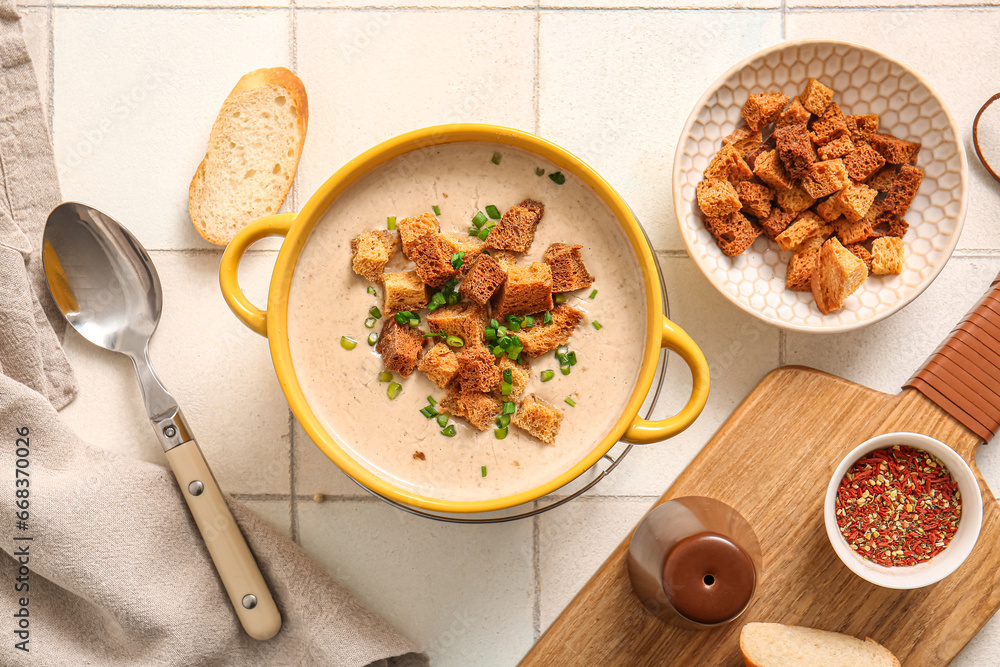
column 415, row 322
column 570, row 402
column 571, row 358
column 431, row 307
column 484, row 471
column 529, row 322
column 438, row 299
column 593, row 294
column 504, row 342
column 370, row 323
column 547, row 375
column 454, row 298
column 450, row 285
column 391, row 222
column 496, row 157
column 403, row 317
column 506, row 388
column 560, row 298
column 548, row 318
column 372, row 338
column 539, row 171
column 434, row 334
column 478, row 220
column 375, row 312
column 457, row 259
column 437, row 210
column 557, row 177
column 454, row 341
column 514, row 353
column 493, row 212
column 348, row 343
column 430, row 399
column 483, row 234
column 429, row 412
column 508, row 408
column 501, row 331
column 393, row 391
column 598, row 325
column 371, row 290
column 497, row 351
column 491, row 333
column 384, row 376
column 449, row 431
column 499, row 434
column 442, row 420
column 473, row 232
column 494, row 324
column 565, row 370
column 502, row 421
column 507, row 375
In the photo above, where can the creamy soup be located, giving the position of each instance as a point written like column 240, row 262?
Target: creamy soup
column 328, row 300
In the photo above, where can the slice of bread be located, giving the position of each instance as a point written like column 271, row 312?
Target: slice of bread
column 253, row 153
column 776, row 645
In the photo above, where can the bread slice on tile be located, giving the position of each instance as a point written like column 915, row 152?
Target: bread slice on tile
column 776, row 645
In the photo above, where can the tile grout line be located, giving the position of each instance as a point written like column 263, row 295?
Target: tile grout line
column 784, row 19
column 781, row 347
column 51, row 74
column 536, row 578
column 526, row 7
column 293, row 505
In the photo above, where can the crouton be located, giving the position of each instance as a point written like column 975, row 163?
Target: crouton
column 830, row 126
column 400, row 346
column 483, row 279
column 538, row 418
column 836, row 148
column 904, row 189
column 440, row 364
column 777, row 222
column 478, row 409
column 536, row 207
column 751, row 158
column 861, row 125
column 465, row 320
column 505, row 259
column 728, row 165
column 887, row 256
column 890, row 224
column 861, row 253
column 825, row 178
column 816, row 97
column 806, row 225
column 769, row 168
column 761, row 109
column 827, row 209
column 794, row 114
column 542, row 338
column 733, row 233
column 515, row 231
column 432, row 255
column 403, row 291
column 837, row 275
column 477, row 370
column 568, row 270
column 816, row 241
column 855, row 200
column 894, row 149
column 795, row 149
column 371, row 251
column 470, row 245
column 527, row 290
column 882, row 179
column 756, row 198
column 519, row 376
column 411, row 229
column 853, row 232
column 862, row 162
column 744, row 140
column 795, row 199
column 798, row 276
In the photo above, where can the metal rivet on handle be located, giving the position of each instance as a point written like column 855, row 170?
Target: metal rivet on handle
column 169, row 431
column 196, row 487
column 249, row 601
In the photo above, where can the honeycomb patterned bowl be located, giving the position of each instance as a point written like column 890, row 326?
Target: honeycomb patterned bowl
column 865, row 81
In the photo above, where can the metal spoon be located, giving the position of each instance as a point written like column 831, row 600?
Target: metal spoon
column 105, row 284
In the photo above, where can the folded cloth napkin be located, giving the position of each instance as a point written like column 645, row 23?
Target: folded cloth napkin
column 100, row 562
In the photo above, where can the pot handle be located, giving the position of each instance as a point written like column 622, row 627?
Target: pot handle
column 643, row 432
column 249, row 314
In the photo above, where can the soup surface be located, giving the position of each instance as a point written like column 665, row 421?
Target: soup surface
column 390, row 437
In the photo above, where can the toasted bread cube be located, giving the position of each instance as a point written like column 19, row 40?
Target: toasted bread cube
column 798, row 276
column 432, row 255
column 728, row 165
column 411, row 229
column 794, row 114
column 440, row 364
column 733, row 233
column 827, row 209
column 478, row 409
column 855, row 200
column 483, row 279
column 751, row 158
column 371, row 251
column 862, row 162
column 795, row 148
column 861, row 253
column 536, row 207
column 403, row 291
column 769, row 168
column 542, row 338
column 515, row 231
column 568, row 270
column 816, row 97
column 837, row 275
column 894, row 149
column 832, row 125
column 756, row 198
column 519, row 375
column 816, row 241
column 527, row 290
column 852, row 232
column 904, row 189
column 477, row 370
column 882, row 179
column 400, row 346
column 795, row 199
column 777, row 222
column 825, row 178
column 836, row 148
column 505, row 259
column 717, row 197
column 470, row 245
column 887, row 256
column 890, row 224
column 806, row 225
column 465, row 320
column 744, row 140
column 761, row 109
column 861, row 125
column 538, row 418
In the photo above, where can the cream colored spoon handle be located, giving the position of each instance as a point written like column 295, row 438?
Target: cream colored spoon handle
column 229, row 551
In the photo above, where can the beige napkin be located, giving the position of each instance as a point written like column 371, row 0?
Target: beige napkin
column 107, row 567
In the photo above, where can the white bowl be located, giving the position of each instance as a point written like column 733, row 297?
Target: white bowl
column 938, row 567
column 865, row 81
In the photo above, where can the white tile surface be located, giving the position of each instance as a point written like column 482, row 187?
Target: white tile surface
column 315, row 473
column 277, row 513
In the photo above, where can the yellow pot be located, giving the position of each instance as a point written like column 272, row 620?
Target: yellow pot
column 295, row 227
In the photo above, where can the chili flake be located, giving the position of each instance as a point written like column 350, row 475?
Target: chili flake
column 898, row 506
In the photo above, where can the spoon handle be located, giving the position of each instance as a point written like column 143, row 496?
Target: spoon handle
column 236, row 566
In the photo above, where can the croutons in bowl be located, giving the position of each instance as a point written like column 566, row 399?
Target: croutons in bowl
column 820, row 185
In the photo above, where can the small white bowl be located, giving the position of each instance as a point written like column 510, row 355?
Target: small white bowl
column 938, row 567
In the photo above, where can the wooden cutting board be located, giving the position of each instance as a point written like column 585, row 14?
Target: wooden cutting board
column 771, row 461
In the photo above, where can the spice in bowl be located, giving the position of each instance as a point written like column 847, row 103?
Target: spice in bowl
column 898, row 506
